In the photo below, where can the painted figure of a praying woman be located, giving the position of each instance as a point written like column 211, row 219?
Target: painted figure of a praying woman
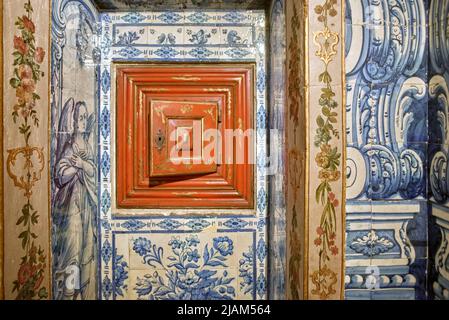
column 75, row 206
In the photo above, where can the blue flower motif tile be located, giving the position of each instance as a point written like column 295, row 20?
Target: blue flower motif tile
column 106, row 18
column 106, row 287
column 105, row 81
column 106, row 251
column 105, row 164
column 198, row 224
column 261, row 250
column 170, row 17
column 200, row 53
column 196, row 271
column 261, row 78
column 130, row 52
column 246, row 266
column 133, row 17
column 120, row 268
column 237, row 53
column 262, row 200
column 166, row 52
column 105, row 225
column 105, row 123
column 224, row 245
column 235, row 223
column 133, row 225
column 198, row 17
column 105, row 45
column 105, row 201
column 234, row 16
column 127, row 39
column 142, row 246
column 261, row 118
column 169, row 224
column 261, row 223
column 261, row 285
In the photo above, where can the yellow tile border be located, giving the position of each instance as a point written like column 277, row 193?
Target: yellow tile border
column 2, row 287
column 340, row 221
column 45, row 36
column 306, row 70
column 343, row 136
column 49, row 252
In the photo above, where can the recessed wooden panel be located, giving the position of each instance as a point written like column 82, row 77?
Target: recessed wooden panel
column 159, row 107
column 177, row 137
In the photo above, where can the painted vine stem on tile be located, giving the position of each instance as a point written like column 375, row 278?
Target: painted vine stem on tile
column 329, row 157
column 295, row 157
column 25, row 164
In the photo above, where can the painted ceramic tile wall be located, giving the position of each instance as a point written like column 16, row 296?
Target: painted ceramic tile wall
column 316, row 150
column 277, row 182
column 386, row 130
column 25, row 41
column 326, row 160
column 74, row 141
column 438, row 80
column 141, row 252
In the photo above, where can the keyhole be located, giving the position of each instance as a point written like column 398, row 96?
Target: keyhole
column 160, row 140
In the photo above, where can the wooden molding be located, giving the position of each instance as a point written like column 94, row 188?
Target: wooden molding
column 227, row 89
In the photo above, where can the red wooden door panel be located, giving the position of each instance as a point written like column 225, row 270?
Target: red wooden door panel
column 161, row 111
column 177, row 137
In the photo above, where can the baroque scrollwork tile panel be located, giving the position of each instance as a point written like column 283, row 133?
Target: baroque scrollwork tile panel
column 380, row 255
column 386, row 97
column 438, row 149
column 387, row 146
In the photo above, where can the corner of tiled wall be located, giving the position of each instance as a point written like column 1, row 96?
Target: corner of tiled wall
column 438, row 82
column 276, row 123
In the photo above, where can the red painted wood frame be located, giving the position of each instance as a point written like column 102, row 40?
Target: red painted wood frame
column 230, row 88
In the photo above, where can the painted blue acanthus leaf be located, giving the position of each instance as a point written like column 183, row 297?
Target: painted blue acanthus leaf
column 372, row 245
column 120, row 274
column 246, row 265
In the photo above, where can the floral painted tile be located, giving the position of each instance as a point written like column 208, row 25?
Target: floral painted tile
column 193, row 266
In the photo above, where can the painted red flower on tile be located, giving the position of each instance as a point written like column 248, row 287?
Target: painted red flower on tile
column 27, row 73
